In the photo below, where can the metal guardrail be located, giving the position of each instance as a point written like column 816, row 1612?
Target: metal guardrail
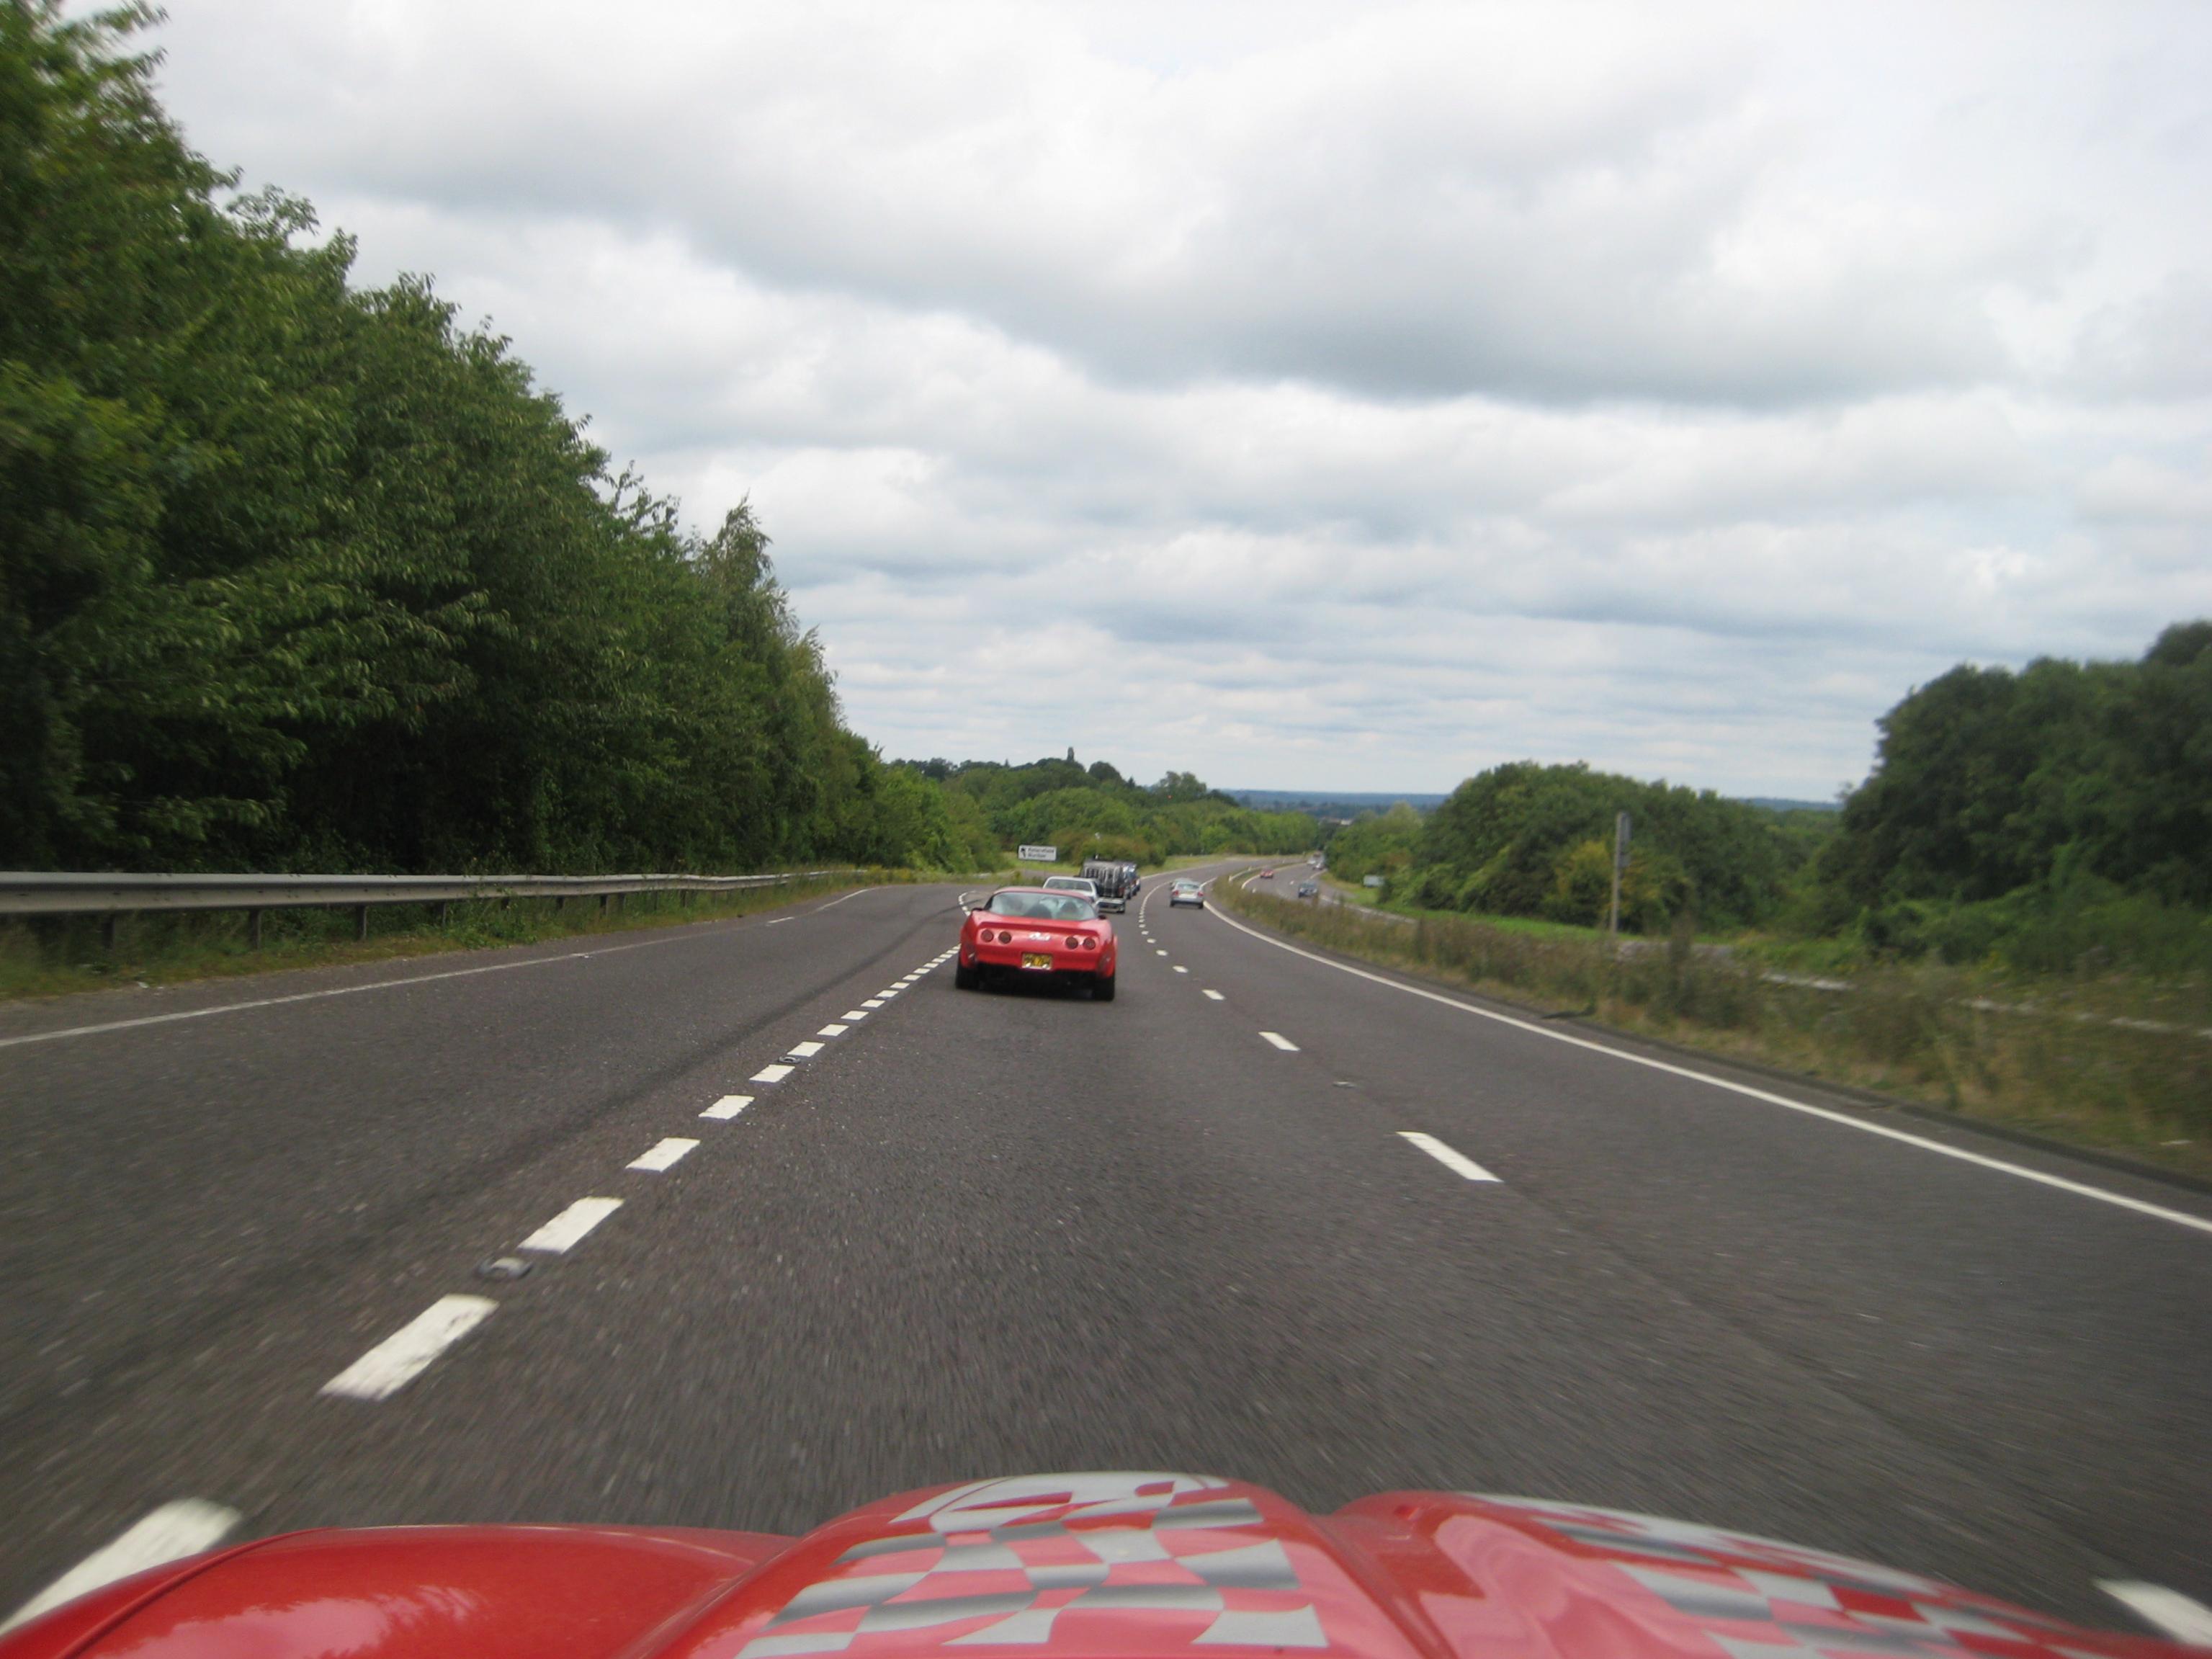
column 42, row 893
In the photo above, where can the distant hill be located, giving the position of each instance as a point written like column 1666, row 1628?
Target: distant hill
column 1348, row 804
column 1351, row 803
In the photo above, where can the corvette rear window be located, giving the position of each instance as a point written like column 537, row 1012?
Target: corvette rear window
column 1043, row 907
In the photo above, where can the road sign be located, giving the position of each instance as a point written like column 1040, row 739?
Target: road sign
column 1038, row 855
column 1371, row 881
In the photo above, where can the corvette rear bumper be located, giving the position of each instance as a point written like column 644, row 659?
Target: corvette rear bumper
column 1088, row 963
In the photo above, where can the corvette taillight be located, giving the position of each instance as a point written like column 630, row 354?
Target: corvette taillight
column 1075, row 941
column 1005, row 937
column 1090, row 944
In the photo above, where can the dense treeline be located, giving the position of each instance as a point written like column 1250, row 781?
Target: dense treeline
column 2059, row 813
column 1529, row 840
column 2055, row 818
column 303, row 575
column 1095, row 812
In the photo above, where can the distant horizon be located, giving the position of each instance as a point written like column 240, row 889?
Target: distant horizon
column 1431, row 797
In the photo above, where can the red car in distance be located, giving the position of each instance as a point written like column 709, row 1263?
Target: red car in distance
column 1036, row 934
column 1132, row 1565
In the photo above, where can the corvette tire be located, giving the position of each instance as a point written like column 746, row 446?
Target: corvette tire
column 965, row 978
column 1102, row 989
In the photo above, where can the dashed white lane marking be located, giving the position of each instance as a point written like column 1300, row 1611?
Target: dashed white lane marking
column 662, row 1155
column 2180, row 1218
column 1215, row 996
column 889, row 994
column 833, row 1030
column 1280, row 1041
column 1159, row 953
column 1180, row 968
column 169, row 1534
column 1445, row 1156
column 873, row 1002
column 405, row 1354
column 727, row 1107
column 773, row 1074
column 853, row 1016
column 2181, row 1617
column 566, row 1229
column 806, row 1050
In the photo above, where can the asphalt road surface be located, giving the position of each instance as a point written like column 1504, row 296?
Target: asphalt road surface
column 982, row 1233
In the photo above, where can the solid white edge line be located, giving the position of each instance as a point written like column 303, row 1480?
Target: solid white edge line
column 675, row 938
column 778, row 921
column 168, row 1534
column 405, row 1354
column 727, row 1107
column 664, row 1154
column 2180, row 1218
column 1457, row 1162
column 772, row 1073
column 2181, row 1617
column 567, row 1229
column 1280, row 1041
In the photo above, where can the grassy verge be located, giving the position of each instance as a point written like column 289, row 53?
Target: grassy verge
column 56, row 957
column 2045, row 1057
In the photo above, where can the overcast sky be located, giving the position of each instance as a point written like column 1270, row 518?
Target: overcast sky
column 1342, row 396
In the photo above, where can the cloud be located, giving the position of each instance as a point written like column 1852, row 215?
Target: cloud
column 1326, row 396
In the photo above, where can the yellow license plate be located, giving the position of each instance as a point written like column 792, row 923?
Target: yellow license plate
column 1035, row 959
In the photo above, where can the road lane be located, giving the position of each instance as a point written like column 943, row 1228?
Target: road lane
column 2061, row 1344
column 989, row 1231
column 302, row 1178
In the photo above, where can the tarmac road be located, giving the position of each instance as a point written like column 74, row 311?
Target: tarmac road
column 980, row 1233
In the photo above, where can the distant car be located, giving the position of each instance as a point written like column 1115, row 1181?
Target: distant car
column 1186, row 893
column 1082, row 884
column 1309, row 889
column 1047, row 934
column 1116, row 883
column 1266, row 875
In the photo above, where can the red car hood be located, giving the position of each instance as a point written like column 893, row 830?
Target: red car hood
column 1103, row 1565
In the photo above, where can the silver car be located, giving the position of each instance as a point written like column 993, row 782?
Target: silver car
column 1186, row 893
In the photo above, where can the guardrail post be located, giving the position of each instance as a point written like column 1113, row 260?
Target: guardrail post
column 602, row 904
column 108, row 933
column 560, row 902
column 445, row 910
column 254, row 930
column 360, row 923
column 619, row 897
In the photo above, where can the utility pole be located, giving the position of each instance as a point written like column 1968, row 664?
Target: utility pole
column 1620, row 864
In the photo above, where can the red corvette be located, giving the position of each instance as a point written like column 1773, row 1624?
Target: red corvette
column 1036, row 933
column 1094, row 1566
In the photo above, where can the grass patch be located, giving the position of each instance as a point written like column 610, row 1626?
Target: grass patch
column 2045, row 1055
column 59, row 955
